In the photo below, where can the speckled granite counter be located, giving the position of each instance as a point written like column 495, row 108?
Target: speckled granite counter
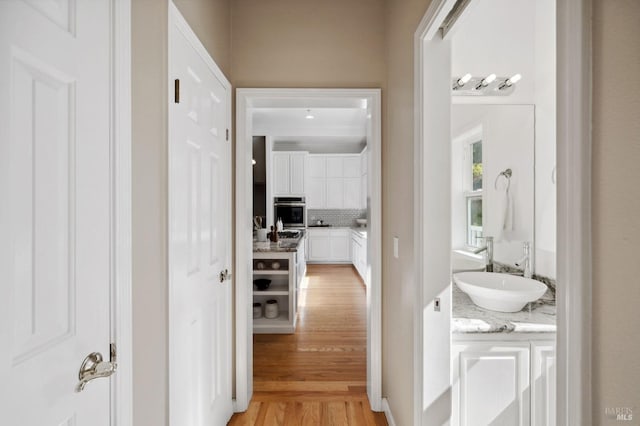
column 467, row 317
column 284, row 245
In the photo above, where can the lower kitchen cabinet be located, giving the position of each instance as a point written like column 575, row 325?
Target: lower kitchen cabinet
column 359, row 254
column 329, row 245
column 503, row 383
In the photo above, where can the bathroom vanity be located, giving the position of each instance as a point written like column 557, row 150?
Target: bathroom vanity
column 503, row 364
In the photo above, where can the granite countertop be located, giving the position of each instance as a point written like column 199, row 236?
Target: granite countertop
column 537, row 317
column 284, row 245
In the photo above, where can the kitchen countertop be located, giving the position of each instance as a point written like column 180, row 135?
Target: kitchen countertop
column 284, row 245
column 467, row 317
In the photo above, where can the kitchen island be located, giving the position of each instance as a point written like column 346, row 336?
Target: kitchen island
column 284, row 264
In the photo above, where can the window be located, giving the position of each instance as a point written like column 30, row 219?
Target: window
column 474, row 193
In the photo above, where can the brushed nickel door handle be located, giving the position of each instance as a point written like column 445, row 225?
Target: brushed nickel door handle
column 94, row 367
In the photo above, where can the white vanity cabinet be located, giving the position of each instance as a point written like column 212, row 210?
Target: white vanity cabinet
column 289, row 174
column 503, row 382
column 329, row 245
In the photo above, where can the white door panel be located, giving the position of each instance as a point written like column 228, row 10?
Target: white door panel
column 352, row 197
column 351, row 166
column 316, row 188
column 543, row 384
column 200, row 222
column 55, row 217
column 281, row 174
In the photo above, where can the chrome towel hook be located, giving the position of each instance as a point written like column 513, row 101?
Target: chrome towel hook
column 507, row 174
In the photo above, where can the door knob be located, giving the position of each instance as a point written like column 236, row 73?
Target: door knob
column 225, row 275
column 94, row 367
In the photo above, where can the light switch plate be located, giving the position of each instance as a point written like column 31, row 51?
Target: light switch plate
column 395, row 247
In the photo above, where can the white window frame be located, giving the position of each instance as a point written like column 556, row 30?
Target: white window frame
column 468, row 138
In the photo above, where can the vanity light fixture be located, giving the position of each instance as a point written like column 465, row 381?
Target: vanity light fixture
column 309, row 116
column 510, row 81
column 462, row 81
column 486, row 81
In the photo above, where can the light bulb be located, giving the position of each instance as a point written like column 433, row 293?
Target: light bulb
column 462, row 81
column 486, row 81
column 510, row 81
column 253, row 162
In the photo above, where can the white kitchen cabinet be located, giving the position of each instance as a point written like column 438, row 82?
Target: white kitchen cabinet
column 339, row 243
column 319, row 247
column 288, row 173
column 351, row 166
column 510, row 382
column 329, row 245
column 359, row 254
column 334, row 182
column 334, row 193
column 352, row 197
column 334, row 166
column 281, row 173
column 316, row 193
column 297, row 176
column 543, row 383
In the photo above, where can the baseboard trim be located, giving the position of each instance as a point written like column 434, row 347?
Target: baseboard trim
column 387, row 412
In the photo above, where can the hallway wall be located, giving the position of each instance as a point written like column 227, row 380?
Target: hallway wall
column 616, row 203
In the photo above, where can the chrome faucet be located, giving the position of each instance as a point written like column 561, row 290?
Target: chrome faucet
column 525, row 262
column 488, row 256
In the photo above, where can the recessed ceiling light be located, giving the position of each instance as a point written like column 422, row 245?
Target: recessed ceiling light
column 309, row 116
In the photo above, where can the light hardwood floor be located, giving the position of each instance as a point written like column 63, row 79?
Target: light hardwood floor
column 316, row 376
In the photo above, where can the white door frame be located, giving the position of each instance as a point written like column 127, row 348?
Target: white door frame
column 573, row 201
column 121, row 306
column 245, row 99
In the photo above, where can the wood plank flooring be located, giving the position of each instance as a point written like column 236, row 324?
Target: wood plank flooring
column 316, row 376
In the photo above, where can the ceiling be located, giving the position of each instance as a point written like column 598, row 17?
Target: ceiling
column 328, row 124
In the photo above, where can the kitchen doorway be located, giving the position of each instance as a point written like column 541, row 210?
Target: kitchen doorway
column 247, row 101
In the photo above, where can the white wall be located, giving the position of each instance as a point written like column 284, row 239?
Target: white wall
column 506, row 37
column 507, row 142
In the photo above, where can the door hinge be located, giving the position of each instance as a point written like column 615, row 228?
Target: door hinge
column 113, row 353
column 227, row 134
column 176, row 94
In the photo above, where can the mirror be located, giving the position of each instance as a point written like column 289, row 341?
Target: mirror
column 487, row 141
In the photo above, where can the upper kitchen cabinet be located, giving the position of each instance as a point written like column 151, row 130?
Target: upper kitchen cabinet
column 334, row 182
column 289, row 173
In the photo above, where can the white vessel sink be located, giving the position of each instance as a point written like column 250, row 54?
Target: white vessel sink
column 463, row 262
column 499, row 292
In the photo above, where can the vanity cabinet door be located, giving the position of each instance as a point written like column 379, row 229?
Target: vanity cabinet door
column 490, row 384
column 543, row 383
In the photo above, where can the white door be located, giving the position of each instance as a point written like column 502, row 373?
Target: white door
column 55, row 213
column 199, row 237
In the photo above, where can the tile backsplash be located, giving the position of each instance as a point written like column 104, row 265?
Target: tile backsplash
column 335, row 217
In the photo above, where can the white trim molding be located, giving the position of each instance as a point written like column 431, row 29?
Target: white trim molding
column 387, row 412
column 122, row 306
column 574, row 303
column 246, row 99
column 574, row 257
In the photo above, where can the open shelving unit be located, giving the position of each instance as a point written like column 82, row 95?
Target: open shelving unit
column 282, row 289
